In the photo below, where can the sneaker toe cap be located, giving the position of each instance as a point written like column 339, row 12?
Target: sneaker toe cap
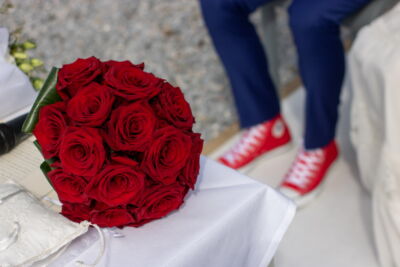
column 289, row 192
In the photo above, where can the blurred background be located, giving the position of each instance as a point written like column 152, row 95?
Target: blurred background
column 169, row 36
column 345, row 227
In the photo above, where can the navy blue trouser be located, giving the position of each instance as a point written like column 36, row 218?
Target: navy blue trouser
column 316, row 29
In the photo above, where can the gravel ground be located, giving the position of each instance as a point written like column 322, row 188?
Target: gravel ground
column 169, row 36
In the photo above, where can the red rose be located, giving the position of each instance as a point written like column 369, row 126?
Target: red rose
column 72, row 77
column 191, row 170
column 82, row 151
column 91, row 106
column 171, row 105
column 76, row 212
column 108, row 64
column 124, row 160
column 116, row 185
column 167, row 154
column 69, row 188
column 158, row 202
column 131, row 127
column 50, row 128
column 111, row 217
column 99, row 206
column 56, row 165
column 131, row 83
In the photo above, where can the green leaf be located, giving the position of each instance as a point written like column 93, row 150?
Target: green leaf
column 36, row 62
column 37, row 83
column 37, row 145
column 20, row 55
column 45, row 167
column 47, row 95
column 25, row 67
column 29, row 45
column 16, row 48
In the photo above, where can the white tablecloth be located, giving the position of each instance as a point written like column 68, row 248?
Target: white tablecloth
column 228, row 221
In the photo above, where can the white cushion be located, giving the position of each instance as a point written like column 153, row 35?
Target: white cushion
column 39, row 232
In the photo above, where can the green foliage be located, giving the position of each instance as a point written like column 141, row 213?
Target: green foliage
column 29, row 45
column 46, row 168
column 35, row 62
column 19, row 55
column 37, row 83
column 37, row 145
column 31, row 66
column 26, row 67
column 47, row 95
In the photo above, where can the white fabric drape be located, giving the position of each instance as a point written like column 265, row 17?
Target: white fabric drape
column 228, row 221
column 374, row 68
column 16, row 92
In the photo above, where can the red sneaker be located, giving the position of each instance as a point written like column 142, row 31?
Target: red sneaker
column 303, row 181
column 256, row 141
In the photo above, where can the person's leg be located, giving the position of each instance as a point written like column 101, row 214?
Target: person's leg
column 243, row 57
column 316, row 28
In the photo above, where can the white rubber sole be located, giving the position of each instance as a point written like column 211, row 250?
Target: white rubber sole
column 269, row 154
column 302, row 201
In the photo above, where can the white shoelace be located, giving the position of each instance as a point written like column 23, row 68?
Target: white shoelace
column 304, row 167
column 247, row 143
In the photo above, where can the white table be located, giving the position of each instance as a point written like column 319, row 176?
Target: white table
column 228, row 221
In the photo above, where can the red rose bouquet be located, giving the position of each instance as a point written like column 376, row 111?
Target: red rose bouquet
column 117, row 141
